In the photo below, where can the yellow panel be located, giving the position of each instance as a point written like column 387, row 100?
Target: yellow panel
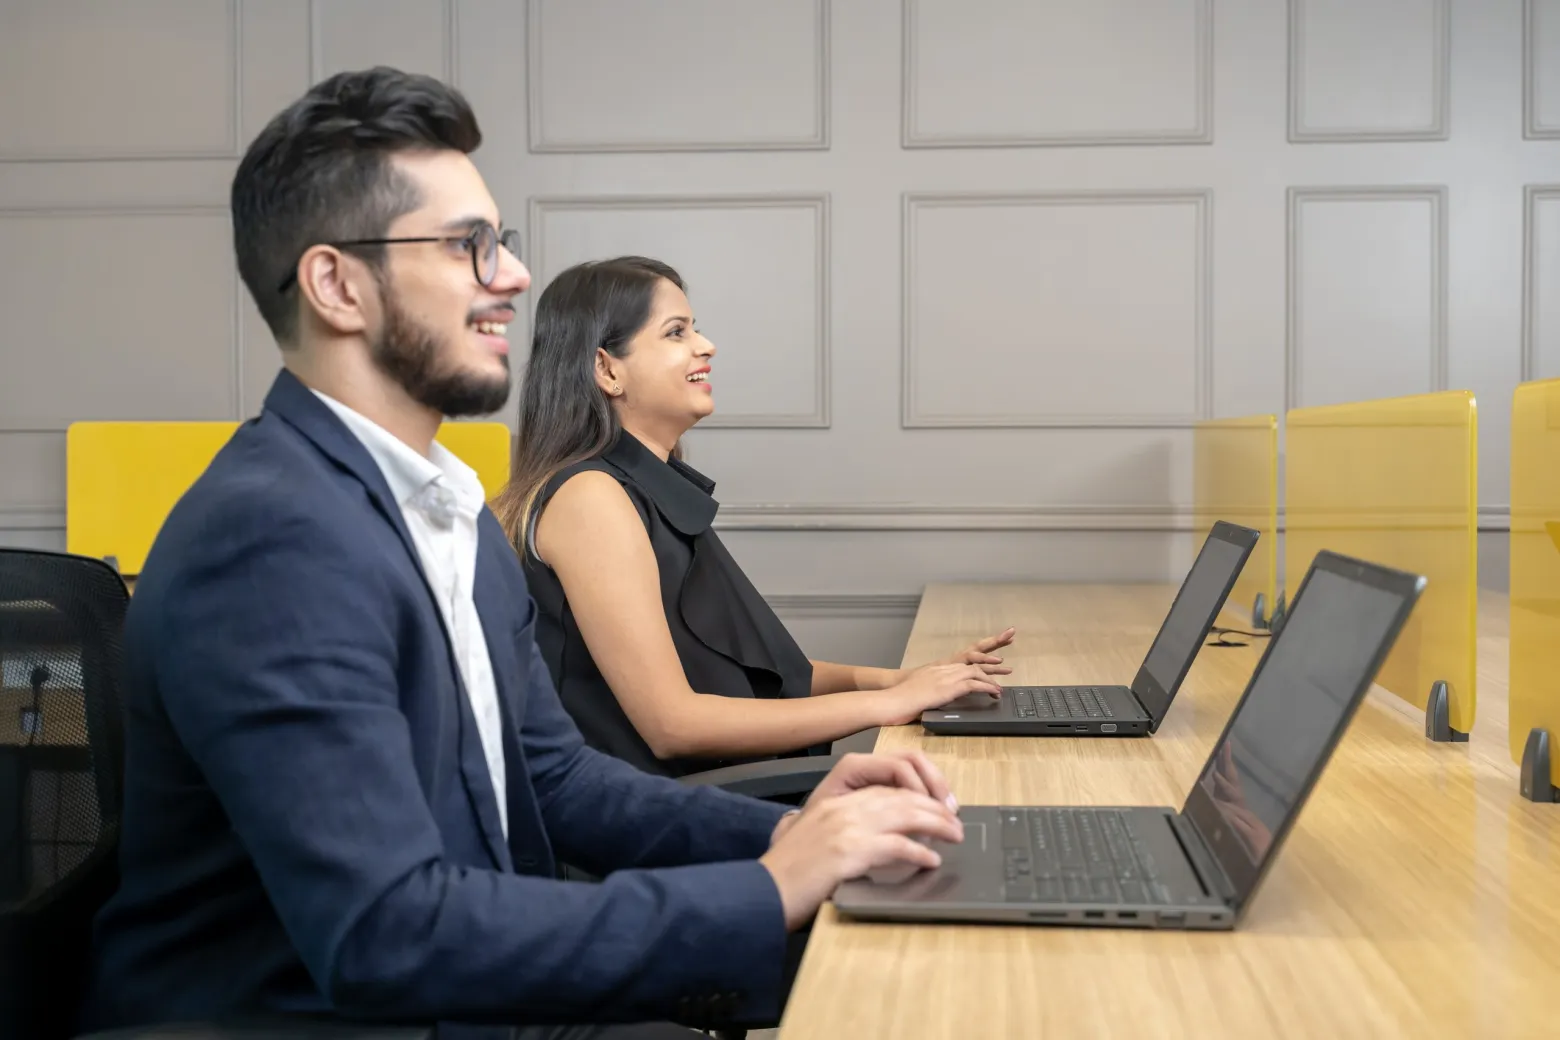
column 1535, row 566
column 1235, row 479
column 1395, row 482
column 484, row 446
column 123, row 478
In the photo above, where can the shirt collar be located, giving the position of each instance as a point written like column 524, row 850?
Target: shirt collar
column 683, row 495
column 411, row 476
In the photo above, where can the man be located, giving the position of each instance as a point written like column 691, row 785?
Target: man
column 348, row 776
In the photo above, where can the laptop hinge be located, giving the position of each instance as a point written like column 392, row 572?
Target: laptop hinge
column 1208, row 869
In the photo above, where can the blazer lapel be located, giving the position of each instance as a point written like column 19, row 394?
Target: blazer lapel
column 296, row 403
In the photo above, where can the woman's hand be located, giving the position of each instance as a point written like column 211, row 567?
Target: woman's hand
column 932, row 686
column 977, row 653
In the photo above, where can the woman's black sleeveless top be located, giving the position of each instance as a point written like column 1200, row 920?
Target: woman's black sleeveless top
column 730, row 641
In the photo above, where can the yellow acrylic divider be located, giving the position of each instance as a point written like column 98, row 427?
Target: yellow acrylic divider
column 1534, row 703
column 1395, row 482
column 122, row 478
column 1235, row 478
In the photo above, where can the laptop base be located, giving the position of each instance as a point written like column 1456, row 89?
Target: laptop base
column 980, row 880
column 979, row 716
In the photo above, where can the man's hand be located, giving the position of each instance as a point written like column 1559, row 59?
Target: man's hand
column 848, row 833
column 910, row 770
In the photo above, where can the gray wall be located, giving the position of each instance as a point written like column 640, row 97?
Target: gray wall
column 974, row 266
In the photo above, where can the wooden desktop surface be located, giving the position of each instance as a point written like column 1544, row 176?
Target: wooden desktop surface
column 1418, row 895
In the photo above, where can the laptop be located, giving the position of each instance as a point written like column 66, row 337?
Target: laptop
column 1155, row 867
column 1115, row 711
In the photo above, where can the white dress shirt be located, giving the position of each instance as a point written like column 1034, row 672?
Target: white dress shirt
column 440, row 499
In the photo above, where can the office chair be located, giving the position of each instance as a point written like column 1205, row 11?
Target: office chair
column 61, row 796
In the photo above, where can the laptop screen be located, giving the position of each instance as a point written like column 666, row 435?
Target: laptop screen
column 1295, row 708
column 1192, row 614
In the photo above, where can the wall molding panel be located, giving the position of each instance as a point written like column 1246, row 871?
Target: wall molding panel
column 1438, row 358
column 1533, row 126
column 540, row 140
column 1437, row 129
column 231, row 146
column 914, row 416
column 913, row 136
column 232, row 281
column 1534, row 196
column 817, row 205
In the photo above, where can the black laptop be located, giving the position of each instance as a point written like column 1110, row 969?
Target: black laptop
column 1200, row 867
column 1115, row 711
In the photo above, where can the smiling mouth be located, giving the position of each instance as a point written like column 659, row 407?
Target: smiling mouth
column 490, row 328
column 701, row 377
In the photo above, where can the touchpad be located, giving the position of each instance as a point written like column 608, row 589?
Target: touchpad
column 972, row 702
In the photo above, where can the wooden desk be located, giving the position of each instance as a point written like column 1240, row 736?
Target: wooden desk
column 1418, row 894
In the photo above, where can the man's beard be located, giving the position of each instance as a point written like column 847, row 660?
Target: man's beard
column 410, row 355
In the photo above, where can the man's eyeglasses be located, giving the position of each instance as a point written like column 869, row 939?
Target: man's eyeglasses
column 481, row 242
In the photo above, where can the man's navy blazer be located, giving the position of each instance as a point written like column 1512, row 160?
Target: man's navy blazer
column 309, row 823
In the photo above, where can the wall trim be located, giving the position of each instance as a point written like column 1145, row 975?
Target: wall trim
column 536, row 133
column 912, row 517
column 232, row 148
column 822, row 517
column 1532, row 129
column 1532, row 195
column 845, row 605
column 32, row 518
column 819, row 202
column 1201, row 133
column 909, row 346
column 1437, row 130
column 1436, row 195
column 780, row 517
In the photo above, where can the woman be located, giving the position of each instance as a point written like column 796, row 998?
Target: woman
column 662, row 650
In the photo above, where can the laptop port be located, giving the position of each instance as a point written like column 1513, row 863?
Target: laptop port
column 1080, row 729
column 1172, row 918
column 1107, row 727
column 1128, row 915
column 1047, row 915
column 1056, row 725
column 1094, row 915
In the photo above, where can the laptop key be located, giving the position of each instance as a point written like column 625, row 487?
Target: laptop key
column 1015, row 832
column 1048, row 890
column 1077, row 888
column 1105, row 891
column 1132, row 892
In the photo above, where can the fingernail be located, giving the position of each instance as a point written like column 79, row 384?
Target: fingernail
column 951, row 802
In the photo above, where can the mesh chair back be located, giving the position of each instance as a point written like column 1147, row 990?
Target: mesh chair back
column 61, row 771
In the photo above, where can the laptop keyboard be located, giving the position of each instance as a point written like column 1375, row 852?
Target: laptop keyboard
column 1076, row 855
column 1061, row 702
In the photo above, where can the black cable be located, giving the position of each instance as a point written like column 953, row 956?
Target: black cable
column 1216, row 630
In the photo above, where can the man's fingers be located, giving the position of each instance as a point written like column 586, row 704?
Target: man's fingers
column 932, row 779
column 898, row 848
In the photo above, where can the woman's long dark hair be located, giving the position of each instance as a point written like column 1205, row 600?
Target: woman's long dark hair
column 564, row 416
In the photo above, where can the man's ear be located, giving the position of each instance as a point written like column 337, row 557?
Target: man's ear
column 334, row 286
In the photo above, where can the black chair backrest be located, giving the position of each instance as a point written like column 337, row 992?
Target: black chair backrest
column 61, row 776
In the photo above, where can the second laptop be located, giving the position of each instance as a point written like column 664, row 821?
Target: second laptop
column 1115, row 711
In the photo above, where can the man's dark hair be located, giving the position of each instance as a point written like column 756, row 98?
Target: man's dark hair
column 321, row 172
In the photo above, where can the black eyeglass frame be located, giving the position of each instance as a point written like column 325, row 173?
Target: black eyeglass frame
column 509, row 238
